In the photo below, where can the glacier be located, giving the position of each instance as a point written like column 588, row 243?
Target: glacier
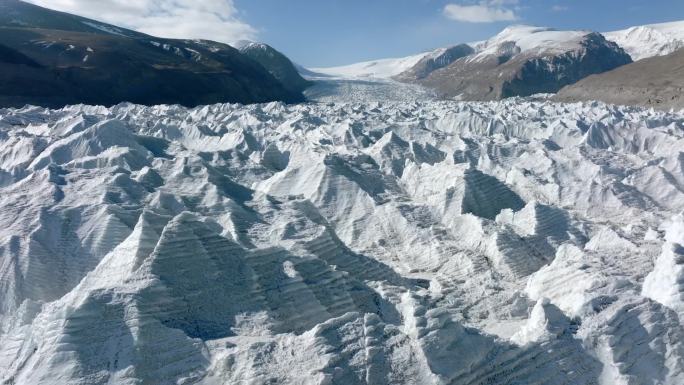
column 410, row 242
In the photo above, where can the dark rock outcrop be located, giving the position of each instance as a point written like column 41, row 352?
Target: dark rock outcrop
column 438, row 59
column 276, row 64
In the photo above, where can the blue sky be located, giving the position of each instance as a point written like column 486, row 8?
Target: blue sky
column 319, row 33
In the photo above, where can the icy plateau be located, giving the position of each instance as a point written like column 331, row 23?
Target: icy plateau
column 512, row 242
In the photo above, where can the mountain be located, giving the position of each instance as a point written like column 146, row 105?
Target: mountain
column 522, row 61
column 20, row 14
column 652, row 82
column 53, row 59
column 509, row 242
column 435, row 60
column 276, row 63
column 519, row 61
column 645, row 41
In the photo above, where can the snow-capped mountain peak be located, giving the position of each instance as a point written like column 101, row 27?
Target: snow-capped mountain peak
column 529, row 38
column 245, row 44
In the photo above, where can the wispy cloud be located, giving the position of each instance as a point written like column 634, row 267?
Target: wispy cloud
column 560, row 8
column 190, row 19
column 483, row 12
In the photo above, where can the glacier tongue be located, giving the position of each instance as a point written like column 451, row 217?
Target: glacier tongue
column 519, row 241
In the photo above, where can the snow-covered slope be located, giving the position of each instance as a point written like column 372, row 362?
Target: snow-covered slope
column 375, row 69
column 514, row 242
column 650, row 40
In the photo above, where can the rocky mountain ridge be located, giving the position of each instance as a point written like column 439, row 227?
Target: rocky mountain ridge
column 54, row 59
column 523, row 61
column 276, row 63
column 656, row 82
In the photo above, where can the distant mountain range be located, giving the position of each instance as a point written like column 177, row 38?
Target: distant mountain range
column 52, row 59
column 524, row 60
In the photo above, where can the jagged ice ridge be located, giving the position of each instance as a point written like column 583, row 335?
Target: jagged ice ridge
column 519, row 241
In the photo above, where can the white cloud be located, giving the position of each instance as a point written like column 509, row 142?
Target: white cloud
column 188, row 19
column 483, row 12
column 560, row 8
